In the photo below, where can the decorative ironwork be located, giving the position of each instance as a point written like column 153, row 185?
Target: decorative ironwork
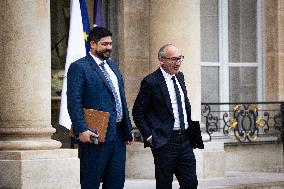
column 244, row 120
column 211, row 121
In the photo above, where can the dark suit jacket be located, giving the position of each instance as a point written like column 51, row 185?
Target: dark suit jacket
column 87, row 87
column 152, row 111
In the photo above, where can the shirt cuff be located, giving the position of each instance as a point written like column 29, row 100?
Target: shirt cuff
column 149, row 138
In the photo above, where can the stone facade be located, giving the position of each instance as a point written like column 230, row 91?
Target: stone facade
column 274, row 50
column 133, row 40
column 143, row 26
column 281, row 48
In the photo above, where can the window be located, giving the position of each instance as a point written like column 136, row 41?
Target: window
column 231, row 50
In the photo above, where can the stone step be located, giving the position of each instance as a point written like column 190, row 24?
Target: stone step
column 232, row 180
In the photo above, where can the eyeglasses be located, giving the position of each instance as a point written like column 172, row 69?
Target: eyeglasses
column 174, row 59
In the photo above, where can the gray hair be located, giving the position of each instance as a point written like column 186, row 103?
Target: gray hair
column 163, row 50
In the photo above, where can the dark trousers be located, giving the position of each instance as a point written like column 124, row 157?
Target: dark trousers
column 102, row 162
column 176, row 157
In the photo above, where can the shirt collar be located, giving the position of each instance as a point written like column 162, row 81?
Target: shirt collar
column 96, row 59
column 166, row 75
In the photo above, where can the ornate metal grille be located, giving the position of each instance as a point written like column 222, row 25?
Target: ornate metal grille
column 246, row 121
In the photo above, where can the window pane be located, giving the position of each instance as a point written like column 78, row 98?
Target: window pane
column 210, row 84
column 209, row 30
column 242, row 30
column 243, row 84
column 210, row 88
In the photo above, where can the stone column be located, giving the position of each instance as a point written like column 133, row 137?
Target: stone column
column 178, row 22
column 25, row 76
column 133, row 57
column 133, row 44
column 28, row 156
column 143, row 27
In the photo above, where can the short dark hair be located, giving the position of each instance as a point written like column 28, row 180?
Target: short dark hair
column 97, row 33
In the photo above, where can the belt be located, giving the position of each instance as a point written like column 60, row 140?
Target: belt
column 178, row 132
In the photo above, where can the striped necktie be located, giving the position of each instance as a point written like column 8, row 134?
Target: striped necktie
column 117, row 102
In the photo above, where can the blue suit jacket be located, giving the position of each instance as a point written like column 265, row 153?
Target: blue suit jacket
column 87, row 87
column 152, row 111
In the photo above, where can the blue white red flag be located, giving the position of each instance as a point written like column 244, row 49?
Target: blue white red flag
column 77, row 48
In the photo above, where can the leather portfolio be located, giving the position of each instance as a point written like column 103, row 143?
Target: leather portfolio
column 97, row 120
column 194, row 135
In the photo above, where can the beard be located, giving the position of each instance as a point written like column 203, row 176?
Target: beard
column 103, row 55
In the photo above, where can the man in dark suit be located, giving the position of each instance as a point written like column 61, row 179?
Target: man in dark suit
column 162, row 113
column 94, row 82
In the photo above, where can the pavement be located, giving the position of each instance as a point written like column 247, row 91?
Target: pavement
column 231, row 180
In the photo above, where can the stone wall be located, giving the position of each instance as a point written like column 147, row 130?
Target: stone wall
column 281, row 48
column 274, row 50
column 133, row 40
column 254, row 157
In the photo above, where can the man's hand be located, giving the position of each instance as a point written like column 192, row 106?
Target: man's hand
column 132, row 141
column 86, row 136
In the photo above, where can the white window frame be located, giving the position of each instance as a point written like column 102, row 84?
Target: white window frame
column 224, row 64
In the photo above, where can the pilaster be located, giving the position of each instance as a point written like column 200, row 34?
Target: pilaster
column 178, row 22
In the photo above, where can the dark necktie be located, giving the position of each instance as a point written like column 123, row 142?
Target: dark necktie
column 117, row 102
column 180, row 111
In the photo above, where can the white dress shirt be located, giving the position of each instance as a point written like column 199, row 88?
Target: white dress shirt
column 172, row 93
column 111, row 74
column 171, row 89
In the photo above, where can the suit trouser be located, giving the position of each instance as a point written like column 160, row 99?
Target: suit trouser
column 176, row 157
column 102, row 162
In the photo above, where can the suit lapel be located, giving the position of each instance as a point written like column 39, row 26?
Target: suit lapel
column 187, row 104
column 181, row 82
column 98, row 70
column 164, row 90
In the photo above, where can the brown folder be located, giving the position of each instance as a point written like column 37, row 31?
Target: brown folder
column 96, row 120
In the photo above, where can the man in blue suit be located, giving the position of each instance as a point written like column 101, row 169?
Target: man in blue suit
column 95, row 82
column 162, row 113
